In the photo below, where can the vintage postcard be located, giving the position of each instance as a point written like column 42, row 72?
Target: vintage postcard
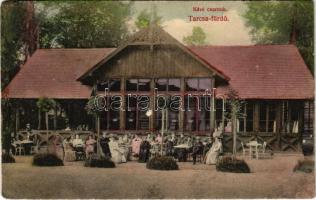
column 157, row 99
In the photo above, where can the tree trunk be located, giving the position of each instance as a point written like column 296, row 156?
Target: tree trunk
column 98, row 133
column 39, row 119
column 234, row 125
column 46, row 121
column 163, row 112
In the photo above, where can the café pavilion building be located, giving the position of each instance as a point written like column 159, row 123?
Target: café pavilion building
column 273, row 80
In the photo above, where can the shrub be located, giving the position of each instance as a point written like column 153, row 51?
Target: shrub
column 162, row 163
column 231, row 164
column 306, row 166
column 7, row 158
column 94, row 161
column 47, row 159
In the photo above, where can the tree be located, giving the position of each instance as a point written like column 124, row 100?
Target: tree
column 235, row 104
column 18, row 33
column 45, row 104
column 278, row 22
column 94, row 107
column 197, row 38
column 144, row 18
column 18, row 30
column 82, row 24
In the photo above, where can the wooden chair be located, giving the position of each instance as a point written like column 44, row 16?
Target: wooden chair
column 19, row 149
column 245, row 150
column 263, row 153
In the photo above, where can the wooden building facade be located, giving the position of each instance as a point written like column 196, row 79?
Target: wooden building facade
column 273, row 80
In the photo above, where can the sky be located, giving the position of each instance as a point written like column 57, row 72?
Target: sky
column 176, row 21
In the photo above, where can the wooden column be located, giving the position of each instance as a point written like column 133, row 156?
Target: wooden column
column 256, row 117
column 181, row 112
column 122, row 111
column 279, row 118
column 152, row 106
column 55, row 117
column 17, row 119
column 212, row 108
column 39, row 119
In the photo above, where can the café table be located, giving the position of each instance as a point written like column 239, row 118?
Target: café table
column 254, row 148
column 26, row 144
column 182, row 149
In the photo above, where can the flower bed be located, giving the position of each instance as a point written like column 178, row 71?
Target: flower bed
column 230, row 164
column 47, row 159
column 7, row 158
column 162, row 163
column 94, row 161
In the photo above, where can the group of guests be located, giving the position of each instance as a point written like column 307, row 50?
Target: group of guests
column 121, row 148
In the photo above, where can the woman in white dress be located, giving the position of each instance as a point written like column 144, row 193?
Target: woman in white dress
column 70, row 154
column 212, row 154
column 117, row 153
column 136, row 145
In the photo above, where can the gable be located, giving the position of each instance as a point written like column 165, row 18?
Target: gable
column 151, row 52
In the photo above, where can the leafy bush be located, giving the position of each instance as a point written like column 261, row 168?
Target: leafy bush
column 7, row 158
column 231, row 164
column 46, row 104
column 162, row 163
column 306, row 166
column 94, row 161
column 47, row 159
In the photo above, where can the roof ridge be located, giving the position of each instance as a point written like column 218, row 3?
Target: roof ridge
column 252, row 45
column 72, row 49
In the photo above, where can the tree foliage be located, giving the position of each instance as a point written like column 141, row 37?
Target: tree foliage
column 277, row 22
column 95, row 105
column 197, row 37
column 12, row 19
column 145, row 17
column 45, row 104
column 82, row 24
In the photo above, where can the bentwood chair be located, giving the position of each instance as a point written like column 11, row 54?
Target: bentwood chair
column 19, row 149
column 245, row 150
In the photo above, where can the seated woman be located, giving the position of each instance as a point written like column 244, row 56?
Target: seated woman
column 116, row 152
column 104, row 142
column 70, row 154
column 136, row 145
column 212, row 154
column 90, row 146
column 77, row 141
column 158, row 139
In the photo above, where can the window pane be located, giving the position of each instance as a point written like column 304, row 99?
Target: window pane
column 161, row 84
column 240, row 125
column 143, row 121
column 204, row 114
column 114, row 120
column 144, row 84
column 131, row 85
column 263, row 111
column 158, row 120
column 249, row 117
column 115, row 85
column 173, row 120
column 190, row 113
column 104, row 120
column 174, row 84
column 191, row 84
column 102, row 86
column 218, row 113
column 205, row 83
column 131, row 104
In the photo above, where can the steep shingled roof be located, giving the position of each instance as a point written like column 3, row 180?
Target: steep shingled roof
column 256, row 72
column 262, row 71
column 53, row 72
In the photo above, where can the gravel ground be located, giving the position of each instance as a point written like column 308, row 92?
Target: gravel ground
column 271, row 178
